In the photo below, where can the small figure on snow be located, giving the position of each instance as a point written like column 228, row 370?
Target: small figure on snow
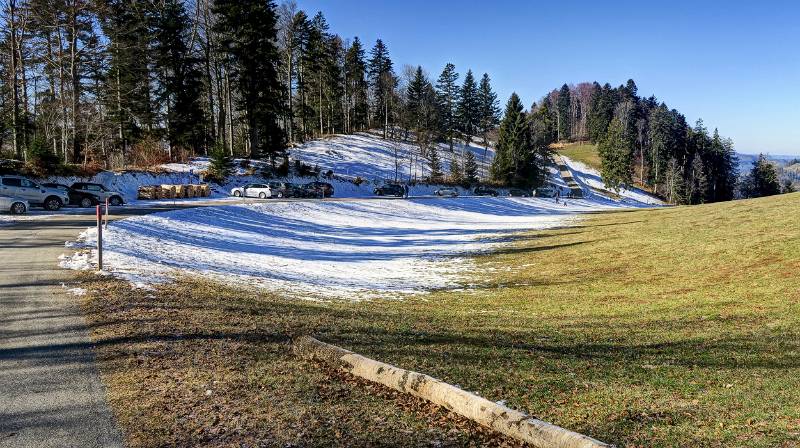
column 405, row 191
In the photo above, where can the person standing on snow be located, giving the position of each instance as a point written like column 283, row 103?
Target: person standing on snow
column 405, row 191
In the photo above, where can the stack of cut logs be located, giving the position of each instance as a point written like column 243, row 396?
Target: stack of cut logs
column 174, row 191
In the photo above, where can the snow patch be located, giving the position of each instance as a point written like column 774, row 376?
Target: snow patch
column 353, row 249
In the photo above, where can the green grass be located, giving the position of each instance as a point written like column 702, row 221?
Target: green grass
column 582, row 152
column 665, row 327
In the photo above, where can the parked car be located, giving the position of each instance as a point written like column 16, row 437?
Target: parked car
column 318, row 189
column 446, row 191
column 261, row 191
column 82, row 199
column 544, row 192
column 516, row 192
column 100, row 191
column 15, row 206
column 484, row 191
column 390, row 190
column 26, row 189
column 286, row 190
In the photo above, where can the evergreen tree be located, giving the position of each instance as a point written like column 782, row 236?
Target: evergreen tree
column 448, row 93
column 517, row 161
column 469, row 108
column 616, row 156
column 128, row 94
column 673, row 182
column 762, row 180
column 564, row 116
column 416, row 98
column 383, row 82
column 220, row 166
column 248, row 34
column 698, row 182
column 355, row 73
column 788, row 187
column 456, row 174
column 470, row 169
column 180, row 76
column 603, row 103
column 489, row 111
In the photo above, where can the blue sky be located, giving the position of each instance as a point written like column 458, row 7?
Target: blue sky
column 735, row 64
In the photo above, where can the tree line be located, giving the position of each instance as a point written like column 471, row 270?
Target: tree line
column 642, row 141
column 115, row 83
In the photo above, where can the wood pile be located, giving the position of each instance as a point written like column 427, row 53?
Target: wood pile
column 174, row 191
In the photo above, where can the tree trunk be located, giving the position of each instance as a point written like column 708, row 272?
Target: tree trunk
column 496, row 416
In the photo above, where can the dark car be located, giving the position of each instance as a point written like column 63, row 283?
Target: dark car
column 516, row 192
column 390, row 190
column 287, row 190
column 318, row 189
column 79, row 198
column 483, row 191
column 100, row 191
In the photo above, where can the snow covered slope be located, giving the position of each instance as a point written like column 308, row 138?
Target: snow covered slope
column 354, row 249
column 371, row 157
column 590, row 181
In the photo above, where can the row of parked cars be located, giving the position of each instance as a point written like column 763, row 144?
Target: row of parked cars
column 284, row 190
column 398, row 190
column 18, row 194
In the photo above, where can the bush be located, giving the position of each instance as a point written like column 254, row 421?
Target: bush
column 148, row 153
column 221, row 165
column 41, row 161
column 283, row 168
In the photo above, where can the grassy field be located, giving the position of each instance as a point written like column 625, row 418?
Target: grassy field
column 664, row 327
column 582, row 152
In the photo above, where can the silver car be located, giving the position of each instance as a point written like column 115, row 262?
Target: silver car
column 24, row 188
column 15, row 206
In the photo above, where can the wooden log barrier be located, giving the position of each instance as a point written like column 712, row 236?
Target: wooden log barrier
column 496, row 416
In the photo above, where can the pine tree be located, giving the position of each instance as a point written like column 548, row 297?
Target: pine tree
column 220, row 166
column 128, row 94
column 415, row 98
column 468, row 110
column 603, row 103
column 489, row 111
column 515, row 162
column 383, row 82
column 456, row 174
column 564, row 116
column 470, row 169
column 180, row 77
column 698, row 182
column 355, row 73
column 448, row 93
column 673, row 182
column 762, row 180
column 616, row 156
column 248, row 34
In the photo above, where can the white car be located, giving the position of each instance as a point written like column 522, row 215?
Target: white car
column 15, row 206
column 261, row 191
column 24, row 188
column 446, row 191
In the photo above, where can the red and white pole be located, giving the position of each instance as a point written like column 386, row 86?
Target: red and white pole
column 99, row 240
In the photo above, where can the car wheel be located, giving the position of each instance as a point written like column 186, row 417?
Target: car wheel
column 116, row 201
column 237, row 193
column 262, row 195
column 280, row 195
column 18, row 208
column 53, row 203
column 86, row 202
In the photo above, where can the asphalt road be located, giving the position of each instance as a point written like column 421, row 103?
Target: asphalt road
column 51, row 394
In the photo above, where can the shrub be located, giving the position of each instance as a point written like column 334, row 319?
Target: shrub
column 221, row 165
column 41, row 161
